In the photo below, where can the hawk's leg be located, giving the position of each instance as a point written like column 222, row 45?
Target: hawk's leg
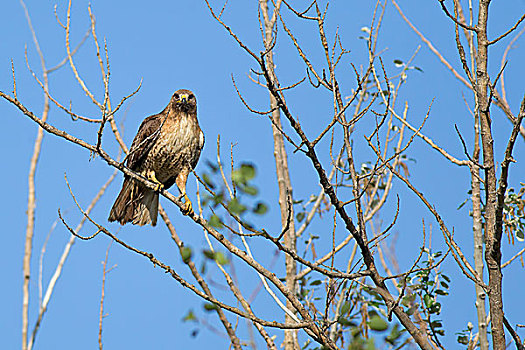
column 181, row 184
column 150, row 175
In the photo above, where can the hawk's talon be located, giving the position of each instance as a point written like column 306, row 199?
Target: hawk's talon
column 187, row 208
column 158, row 185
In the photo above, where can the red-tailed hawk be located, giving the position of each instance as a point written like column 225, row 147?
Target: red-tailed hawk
column 165, row 150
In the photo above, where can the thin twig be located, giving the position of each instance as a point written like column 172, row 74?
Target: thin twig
column 508, row 31
column 179, row 279
column 101, row 315
column 463, row 25
column 514, row 334
column 518, row 254
column 58, row 270
column 31, row 200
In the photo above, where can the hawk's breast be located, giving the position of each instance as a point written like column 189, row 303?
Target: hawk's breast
column 178, row 147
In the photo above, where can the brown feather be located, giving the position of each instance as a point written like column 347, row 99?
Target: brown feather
column 167, row 145
column 119, row 210
column 135, row 203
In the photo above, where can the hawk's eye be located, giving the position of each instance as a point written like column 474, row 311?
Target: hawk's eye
column 176, row 96
column 192, row 97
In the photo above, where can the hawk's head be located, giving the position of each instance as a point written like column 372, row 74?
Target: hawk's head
column 184, row 100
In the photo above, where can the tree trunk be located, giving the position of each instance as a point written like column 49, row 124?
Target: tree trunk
column 493, row 242
column 283, row 178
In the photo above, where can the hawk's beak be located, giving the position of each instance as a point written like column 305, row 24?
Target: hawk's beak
column 184, row 98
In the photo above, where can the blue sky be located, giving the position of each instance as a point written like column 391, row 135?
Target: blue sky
column 176, row 44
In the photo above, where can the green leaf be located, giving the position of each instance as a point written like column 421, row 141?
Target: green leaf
column 237, row 177
column 398, row 63
column 394, row 335
column 214, row 221
column 221, row 258
column 244, row 174
column 260, row 208
column 218, row 198
column 520, row 236
column 316, row 283
column 435, row 309
column 300, row 216
column 248, row 171
column 441, row 292
column 207, row 180
column 344, row 321
column 214, row 168
column 345, row 308
column 209, row 254
column 376, row 323
column 356, row 333
column 436, row 324
column 428, row 300
column 408, row 299
column 190, row 316
column 186, row 254
column 205, row 199
column 211, row 307
column 463, row 339
column 411, row 310
column 236, row 207
column 372, row 313
column 251, row 190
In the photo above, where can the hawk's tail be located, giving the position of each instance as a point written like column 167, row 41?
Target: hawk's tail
column 136, row 204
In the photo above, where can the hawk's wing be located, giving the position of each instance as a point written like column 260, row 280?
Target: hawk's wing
column 147, row 135
column 200, row 146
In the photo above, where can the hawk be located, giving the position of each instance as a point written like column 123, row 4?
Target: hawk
column 165, row 150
